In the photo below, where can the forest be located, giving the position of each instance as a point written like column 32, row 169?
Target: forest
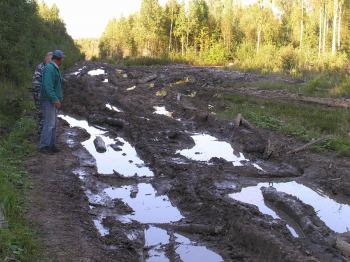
column 27, row 32
column 298, row 37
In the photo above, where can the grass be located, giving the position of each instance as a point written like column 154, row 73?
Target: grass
column 16, row 238
column 145, row 61
column 300, row 120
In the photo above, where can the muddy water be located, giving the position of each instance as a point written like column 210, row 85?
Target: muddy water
column 100, row 227
column 113, row 108
column 335, row 215
column 126, row 161
column 161, row 110
column 96, row 72
column 207, row 147
column 187, row 250
column 147, row 205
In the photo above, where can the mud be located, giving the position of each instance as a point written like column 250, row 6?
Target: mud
column 163, row 190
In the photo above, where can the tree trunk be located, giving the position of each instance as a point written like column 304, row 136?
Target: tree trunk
column 335, row 20
column 339, row 25
column 302, row 24
column 187, row 36
column 182, row 44
column 324, row 29
column 258, row 43
column 171, row 29
column 320, row 33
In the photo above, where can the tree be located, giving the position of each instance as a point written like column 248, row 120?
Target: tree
column 181, row 26
column 171, row 12
column 335, row 26
column 227, row 23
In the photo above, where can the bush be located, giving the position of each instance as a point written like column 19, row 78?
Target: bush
column 342, row 88
column 216, row 55
column 289, row 58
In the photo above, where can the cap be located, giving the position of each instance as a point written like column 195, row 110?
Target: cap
column 58, row 54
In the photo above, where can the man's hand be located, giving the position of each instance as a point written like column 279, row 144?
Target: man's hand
column 57, row 104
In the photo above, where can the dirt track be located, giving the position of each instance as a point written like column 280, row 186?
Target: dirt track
column 196, row 193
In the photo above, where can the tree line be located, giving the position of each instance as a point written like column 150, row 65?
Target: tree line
column 272, row 34
column 27, row 31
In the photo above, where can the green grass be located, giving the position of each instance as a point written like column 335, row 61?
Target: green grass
column 300, row 120
column 145, row 61
column 16, row 238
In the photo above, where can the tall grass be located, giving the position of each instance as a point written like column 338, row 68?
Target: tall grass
column 300, row 120
column 16, row 239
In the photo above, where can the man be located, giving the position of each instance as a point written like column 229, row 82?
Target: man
column 36, row 89
column 51, row 98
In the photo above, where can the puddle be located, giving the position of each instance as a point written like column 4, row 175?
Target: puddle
column 131, row 88
column 96, row 72
column 80, row 172
column 187, row 250
column 206, row 147
column 147, row 205
column 79, row 71
column 126, row 161
column 334, row 215
column 105, row 81
column 160, row 110
column 113, row 108
column 190, row 251
column 154, row 239
column 101, row 228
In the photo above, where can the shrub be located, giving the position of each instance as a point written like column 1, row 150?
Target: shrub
column 289, row 58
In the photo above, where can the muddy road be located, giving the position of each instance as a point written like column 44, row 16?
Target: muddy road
column 161, row 178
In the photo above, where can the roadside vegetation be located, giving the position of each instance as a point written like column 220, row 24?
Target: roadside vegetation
column 302, row 39
column 300, row 120
column 27, row 32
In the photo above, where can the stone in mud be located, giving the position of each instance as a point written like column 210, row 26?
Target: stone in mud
column 147, row 79
column 343, row 243
column 123, row 208
column 115, row 122
column 116, row 147
column 100, row 120
column 302, row 214
column 198, row 229
column 274, row 169
column 134, row 191
column 100, row 145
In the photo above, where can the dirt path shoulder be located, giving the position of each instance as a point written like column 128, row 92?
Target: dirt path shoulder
column 57, row 210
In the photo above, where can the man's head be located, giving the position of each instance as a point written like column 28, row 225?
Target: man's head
column 48, row 58
column 57, row 57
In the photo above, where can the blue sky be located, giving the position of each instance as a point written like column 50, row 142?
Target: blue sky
column 88, row 18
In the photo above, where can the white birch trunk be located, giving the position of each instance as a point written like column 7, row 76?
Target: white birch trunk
column 302, row 24
column 339, row 26
column 320, row 33
column 335, row 24
column 324, row 29
column 258, row 42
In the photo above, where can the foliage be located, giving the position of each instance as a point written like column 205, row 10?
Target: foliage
column 27, row 32
column 89, row 47
column 301, row 120
column 16, row 238
column 268, row 36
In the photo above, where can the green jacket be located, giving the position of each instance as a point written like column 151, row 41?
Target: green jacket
column 51, row 89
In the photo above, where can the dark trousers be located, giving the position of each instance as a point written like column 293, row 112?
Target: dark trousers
column 48, row 134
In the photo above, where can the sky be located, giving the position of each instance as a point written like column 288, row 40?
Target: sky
column 88, row 18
